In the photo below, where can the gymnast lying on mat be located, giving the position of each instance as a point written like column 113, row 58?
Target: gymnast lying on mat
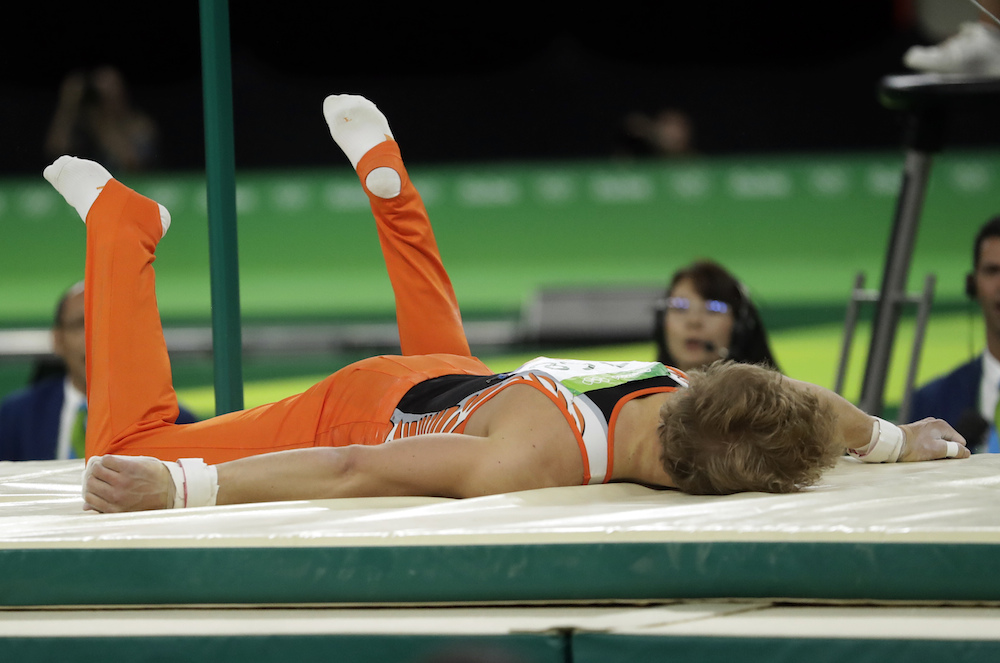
column 434, row 421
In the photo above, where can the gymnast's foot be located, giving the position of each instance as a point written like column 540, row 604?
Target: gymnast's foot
column 81, row 181
column 357, row 126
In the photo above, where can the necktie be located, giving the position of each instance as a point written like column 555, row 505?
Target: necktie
column 78, row 434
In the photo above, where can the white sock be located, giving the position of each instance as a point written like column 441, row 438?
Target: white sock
column 357, row 126
column 81, row 181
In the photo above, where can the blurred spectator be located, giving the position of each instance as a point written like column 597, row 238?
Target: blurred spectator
column 95, row 119
column 666, row 133
column 969, row 396
column 707, row 315
column 47, row 419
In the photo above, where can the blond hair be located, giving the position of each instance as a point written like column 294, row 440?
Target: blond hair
column 742, row 427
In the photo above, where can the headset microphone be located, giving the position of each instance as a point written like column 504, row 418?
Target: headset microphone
column 722, row 352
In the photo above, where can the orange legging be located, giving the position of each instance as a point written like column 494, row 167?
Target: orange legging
column 131, row 400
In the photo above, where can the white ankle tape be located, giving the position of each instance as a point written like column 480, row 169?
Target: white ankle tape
column 195, row 483
column 164, row 219
column 384, row 182
column 885, row 445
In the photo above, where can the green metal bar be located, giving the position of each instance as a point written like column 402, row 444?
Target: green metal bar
column 220, row 170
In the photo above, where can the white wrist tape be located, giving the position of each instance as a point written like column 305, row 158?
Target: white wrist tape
column 885, row 445
column 195, row 483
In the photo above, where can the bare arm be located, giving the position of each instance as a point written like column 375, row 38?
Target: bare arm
column 439, row 465
column 923, row 440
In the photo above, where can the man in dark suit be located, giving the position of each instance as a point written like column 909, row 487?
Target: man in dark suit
column 967, row 397
column 43, row 420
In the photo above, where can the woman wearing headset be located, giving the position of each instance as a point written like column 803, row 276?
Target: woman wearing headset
column 707, row 315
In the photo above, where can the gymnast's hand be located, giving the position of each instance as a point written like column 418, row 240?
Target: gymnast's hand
column 112, row 484
column 932, row 439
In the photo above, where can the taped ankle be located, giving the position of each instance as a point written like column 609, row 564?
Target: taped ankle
column 384, row 182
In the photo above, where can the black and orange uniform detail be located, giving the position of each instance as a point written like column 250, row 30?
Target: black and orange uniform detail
column 588, row 394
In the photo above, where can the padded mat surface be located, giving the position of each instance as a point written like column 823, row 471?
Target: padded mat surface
column 944, row 501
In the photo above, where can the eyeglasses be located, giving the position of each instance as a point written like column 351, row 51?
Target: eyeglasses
column 683, row 305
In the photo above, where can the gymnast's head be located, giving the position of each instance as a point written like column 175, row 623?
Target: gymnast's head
column 743, row 427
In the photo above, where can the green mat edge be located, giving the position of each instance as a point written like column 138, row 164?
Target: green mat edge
column 492, row 573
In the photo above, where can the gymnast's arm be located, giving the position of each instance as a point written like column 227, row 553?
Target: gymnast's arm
column 436, row 465
column 926, row 439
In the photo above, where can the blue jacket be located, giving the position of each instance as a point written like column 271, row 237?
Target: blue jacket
column 29, row 421
column 955, row 398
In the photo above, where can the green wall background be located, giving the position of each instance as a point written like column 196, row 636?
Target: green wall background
column 796, row 229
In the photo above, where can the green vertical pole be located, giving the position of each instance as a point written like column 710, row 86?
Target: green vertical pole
column 220, row 166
